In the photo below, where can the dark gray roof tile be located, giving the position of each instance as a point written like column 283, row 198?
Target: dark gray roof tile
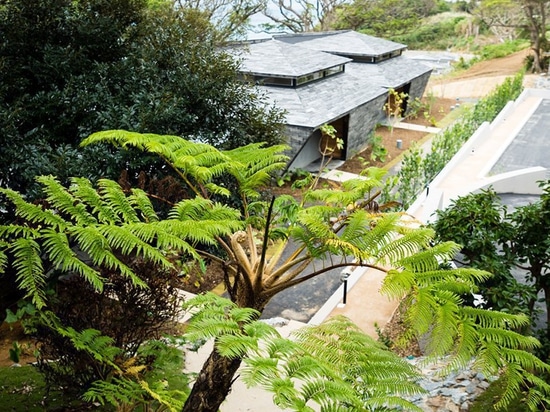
column 277, row 58
column 345, row 42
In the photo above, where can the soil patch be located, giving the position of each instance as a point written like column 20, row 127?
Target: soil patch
column 438, row 109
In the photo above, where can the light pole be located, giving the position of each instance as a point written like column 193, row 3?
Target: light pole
column 344, row 279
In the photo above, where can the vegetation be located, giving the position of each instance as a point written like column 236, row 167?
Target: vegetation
column 496, row 240
column 523, row 18
column 383, row 18
column 419, row 169
column 439, row 35
column 110, row 226
column 69, row 65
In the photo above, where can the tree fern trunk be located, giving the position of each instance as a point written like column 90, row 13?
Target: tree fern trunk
column 213, row 384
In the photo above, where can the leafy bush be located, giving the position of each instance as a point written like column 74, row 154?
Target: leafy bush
column 436, row 36
column 124, row 315
column 494, row 51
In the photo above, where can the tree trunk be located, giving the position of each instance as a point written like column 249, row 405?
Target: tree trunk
column 213, row 384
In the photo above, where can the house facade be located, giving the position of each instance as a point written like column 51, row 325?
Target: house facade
column 339, row 78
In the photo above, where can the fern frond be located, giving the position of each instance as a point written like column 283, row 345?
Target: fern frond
column 141, row 202
column 31, row 212
column 254, row 165
column 122, row 239
column 56, row 245
column 234, row 347
column 112, row 193
column 93, row 243
column 421, row 312
column 30, row 272
column 84, row 190
column 444, row 331
column 398, row 283
column 61, row 199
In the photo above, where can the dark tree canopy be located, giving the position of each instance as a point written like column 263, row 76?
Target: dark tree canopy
column 68, row 69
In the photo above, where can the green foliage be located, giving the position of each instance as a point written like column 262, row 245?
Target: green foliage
column 488, row 337
column 382, row 18
column 333, row 228
column 494, row 51
column 436, row 36
column 332, row 365
column 378, row 151
column 419, row 169
column 69, row 65
column 496, row 240
column 159, row 388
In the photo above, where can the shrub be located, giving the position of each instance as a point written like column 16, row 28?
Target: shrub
column 124, row 314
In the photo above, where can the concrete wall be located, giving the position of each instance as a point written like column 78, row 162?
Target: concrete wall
column 309, row 152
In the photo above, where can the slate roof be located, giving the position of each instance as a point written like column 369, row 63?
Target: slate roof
column 345, row 42
column 316, row 103
column 276, row 58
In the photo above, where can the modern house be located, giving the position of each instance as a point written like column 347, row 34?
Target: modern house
column 339, row 78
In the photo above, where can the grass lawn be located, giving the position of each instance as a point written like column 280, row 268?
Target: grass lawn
column 23, row 390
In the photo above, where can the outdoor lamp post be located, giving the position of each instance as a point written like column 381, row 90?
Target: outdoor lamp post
column 344, row 279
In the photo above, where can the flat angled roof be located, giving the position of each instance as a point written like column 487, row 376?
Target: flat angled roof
column 345, row 42
column 276, row 58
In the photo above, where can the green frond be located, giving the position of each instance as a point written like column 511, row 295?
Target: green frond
column 397, row 283
column 538, row 392
column 332, row 198
column 91, row 241
column 235, row 346
column 356, row 226
column 112, row 193
column 512, row 378
column 305, row 367
column 141, row 202
column 84, row 190
column 506, row 338
column 254, row 165
column 284, row 393
column 202, row 231
column 407, row 248
column 388, row 402
column 214, row 317
column 121, row 238
column 33, row 213
column 217, row 190
column 261, row 330
column 259, row 370
column 465, row 348
column 15, row 231
column 489, row 318
column 430, row 258
column 30, row 272
column 3, row 257
column 444, row 331
column 61, row 199
column 381, row 233
column 56, row 245
column 160, row 238
column 326, row 392
column 421, row 312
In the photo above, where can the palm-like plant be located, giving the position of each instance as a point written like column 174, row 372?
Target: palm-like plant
column 336, row 228
column 81, row 229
